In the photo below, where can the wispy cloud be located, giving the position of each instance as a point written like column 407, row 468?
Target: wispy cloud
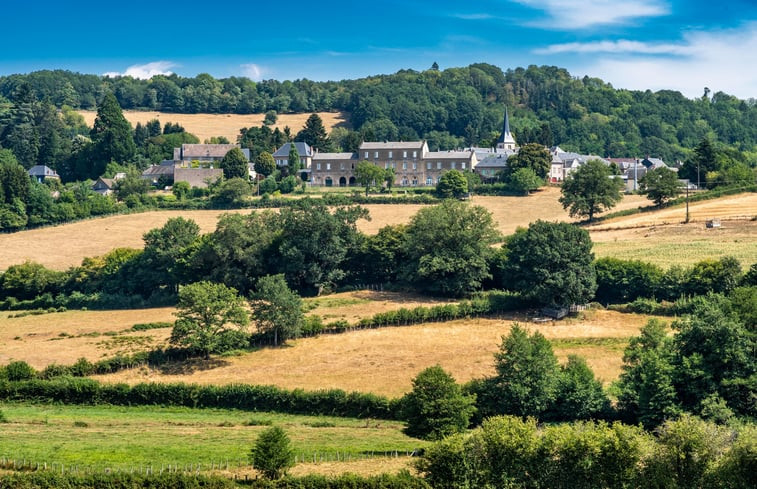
column 253, row 71
column 615, row 47
column 580, row 14
column 145, row 71
column 473, row 16
column 719, row 60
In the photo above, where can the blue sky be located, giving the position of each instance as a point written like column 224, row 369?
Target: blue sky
column 637, row 44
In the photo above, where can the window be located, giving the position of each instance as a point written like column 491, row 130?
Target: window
column 394, row 165
column 366, row 155
column 318, row 166
column 404, row 154
column 428, row 165
column 415, row 154
column 404, row 165
column 341, row 166
column 462, row 165
column 390, row 155
column 386, row 165
column 438, row 165
column 415, row 182
column 415, row 166
column 328, row 166
column 375, row 154
column 429, row 180
column 452, row 165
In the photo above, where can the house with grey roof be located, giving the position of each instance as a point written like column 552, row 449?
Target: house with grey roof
column 41, row 173
column 281, row 155
column 489, row 167
column 196, row 164
column 206, row 154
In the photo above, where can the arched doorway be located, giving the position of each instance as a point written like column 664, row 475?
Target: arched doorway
column 352, row 181
column 342, row 182
column 329, row 182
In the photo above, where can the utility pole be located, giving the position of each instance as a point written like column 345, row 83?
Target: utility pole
column 687, row 203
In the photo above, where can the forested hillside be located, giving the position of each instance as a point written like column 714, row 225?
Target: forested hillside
column 453, row 107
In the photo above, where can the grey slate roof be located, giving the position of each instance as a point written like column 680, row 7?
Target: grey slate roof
column 334, row 156
column 207, row 150
column 447, row 155
column 493, row 161
column 303, row 149
column 392, row 145
column 42, row 171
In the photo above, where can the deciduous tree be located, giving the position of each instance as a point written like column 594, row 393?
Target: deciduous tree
column 272, row 453
column 436, row 407
column 276, row 309
column 590, row 189
column 205, row 312
column 659, row 185
column 265, row 164
column 235, row 165
column 452, row 184
column 369, row 175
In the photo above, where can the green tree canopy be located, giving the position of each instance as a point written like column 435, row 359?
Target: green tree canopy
column 532, row 156
column 527, row 373
column 452, row 184
column 314, row 133
column 205, row 311
column 436, row 407
column 590, row 189
column 272, row 453
column 276, row 309
column 369, row 175
column 525, row 180
column 235, row 165
column 112, row 137
column 265, row 164
column 448, row 246
column 659, row 185
column 551, row 263
column 293, row 160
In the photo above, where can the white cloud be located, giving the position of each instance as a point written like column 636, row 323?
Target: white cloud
column 580, row 14
column 615, row 47
column 473, row 16
column 145, row 71
column 253, row 71
column 721, row 60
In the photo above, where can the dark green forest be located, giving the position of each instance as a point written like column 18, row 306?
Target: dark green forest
column 449, row 108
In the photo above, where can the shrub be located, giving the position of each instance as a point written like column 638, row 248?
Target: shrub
column 272, row 454
column 19, row 370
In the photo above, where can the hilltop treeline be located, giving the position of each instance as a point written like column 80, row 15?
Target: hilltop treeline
column 450, row 108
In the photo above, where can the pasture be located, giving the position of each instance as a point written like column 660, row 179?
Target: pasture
column 205, row 126
column 134, row 438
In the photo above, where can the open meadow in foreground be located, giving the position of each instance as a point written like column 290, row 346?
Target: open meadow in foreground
column 137, row 438
column 205, row 126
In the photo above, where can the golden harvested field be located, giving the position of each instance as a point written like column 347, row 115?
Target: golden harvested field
column 205, row 126
column 60, row 247
column 64, row 337
column 680, row 244
column 376, row 360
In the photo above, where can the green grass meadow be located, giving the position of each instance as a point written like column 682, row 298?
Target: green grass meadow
column 122, row 438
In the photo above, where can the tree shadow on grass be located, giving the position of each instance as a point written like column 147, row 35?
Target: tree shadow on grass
column 191, row 365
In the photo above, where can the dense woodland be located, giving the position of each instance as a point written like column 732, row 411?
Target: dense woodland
column 450, row 108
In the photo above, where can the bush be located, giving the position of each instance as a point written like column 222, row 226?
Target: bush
column 16, row 371
column 272, row 454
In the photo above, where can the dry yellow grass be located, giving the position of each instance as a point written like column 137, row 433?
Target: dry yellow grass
column 60, row 247
column 384, row 361
column 65, row 337
column 205, row 126
column 680, row 244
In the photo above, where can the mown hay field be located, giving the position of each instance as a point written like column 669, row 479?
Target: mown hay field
column 135, row 438
column 205, row 126
column 60, row 247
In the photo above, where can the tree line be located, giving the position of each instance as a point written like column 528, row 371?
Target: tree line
column 450, row 108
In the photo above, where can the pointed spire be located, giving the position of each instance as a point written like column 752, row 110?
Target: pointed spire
column 507, row 122
column 506, row 140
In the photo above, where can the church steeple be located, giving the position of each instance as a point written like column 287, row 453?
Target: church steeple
column 506, row 140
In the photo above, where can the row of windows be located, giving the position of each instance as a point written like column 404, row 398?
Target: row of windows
column 429, row 165
column 391, row 154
